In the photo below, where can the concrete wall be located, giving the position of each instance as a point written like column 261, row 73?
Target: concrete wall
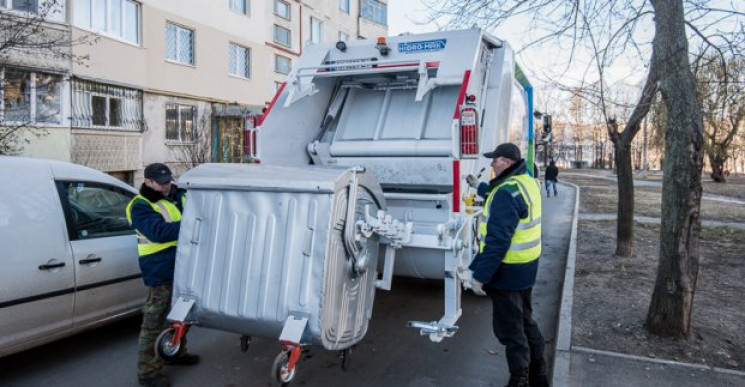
column 47, row 143
column 155, row 147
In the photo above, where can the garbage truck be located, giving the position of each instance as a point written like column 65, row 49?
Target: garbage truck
column 359, row 176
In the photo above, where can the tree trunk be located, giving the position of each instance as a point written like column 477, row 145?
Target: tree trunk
column 672, row 299
column 717, row 169
column 625, row 224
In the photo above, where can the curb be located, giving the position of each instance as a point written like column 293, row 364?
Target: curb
column 562, row 354
column 702, row 367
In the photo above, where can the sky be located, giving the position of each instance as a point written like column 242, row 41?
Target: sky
column 403, row 16
column 548, row 62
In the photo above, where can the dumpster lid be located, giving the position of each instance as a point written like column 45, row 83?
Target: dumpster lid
column 267, row 178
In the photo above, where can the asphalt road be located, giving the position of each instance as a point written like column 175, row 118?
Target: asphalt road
column 390, row 355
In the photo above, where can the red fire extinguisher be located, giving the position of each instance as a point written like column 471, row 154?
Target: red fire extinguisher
column 469, row 131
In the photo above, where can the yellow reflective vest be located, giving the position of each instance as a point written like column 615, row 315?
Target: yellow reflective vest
column 525, row 245
column 170, row 214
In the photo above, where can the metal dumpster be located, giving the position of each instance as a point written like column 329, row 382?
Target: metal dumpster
column 277, row 252
column 260, row 243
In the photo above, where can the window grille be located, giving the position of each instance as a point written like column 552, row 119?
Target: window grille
column 180, row 122
column 179, row 44
column 101, row 106
column 240, row 61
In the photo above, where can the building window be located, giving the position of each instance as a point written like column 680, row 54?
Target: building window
column 180, row 122
column 316, row 30
column 101, row 106
column 282, row 64
column 179, row 44
column 240, row 6
column 30, row 97
column 343, row 36
column 375, row 11
column 30, row 6
column 344, row 6
column 106, row 111
column 117, row 18
column 282, row 36
column 240, row 61
column 282, row 9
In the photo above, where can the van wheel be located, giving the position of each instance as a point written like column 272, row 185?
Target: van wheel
column 164, row 346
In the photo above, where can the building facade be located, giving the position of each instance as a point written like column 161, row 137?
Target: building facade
column 164, row 80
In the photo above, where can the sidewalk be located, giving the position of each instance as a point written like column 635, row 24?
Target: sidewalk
column 657, row 184
column 579, row 366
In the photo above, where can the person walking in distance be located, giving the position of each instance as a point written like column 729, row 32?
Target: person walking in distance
column 156, row 216
column 507, row 263
column 552, row 176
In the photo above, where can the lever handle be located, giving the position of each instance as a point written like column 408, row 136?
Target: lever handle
column 50, row 266
column 90, row 259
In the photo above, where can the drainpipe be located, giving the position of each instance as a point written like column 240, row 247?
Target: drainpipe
column 359, row 15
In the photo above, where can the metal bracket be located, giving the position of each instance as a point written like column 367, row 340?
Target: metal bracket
column 384, row 225
column 180, row 310
column 435, row 330
column 292, row 331
column 299, row 88
column 425, row 84
column 390, row 260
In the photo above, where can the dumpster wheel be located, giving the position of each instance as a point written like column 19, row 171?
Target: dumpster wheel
column 281, row 372
column 345, row 358
column 245, row 342
column 164, row 346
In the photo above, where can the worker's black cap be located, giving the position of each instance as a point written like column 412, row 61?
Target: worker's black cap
column 508, row 150
column 158, row 172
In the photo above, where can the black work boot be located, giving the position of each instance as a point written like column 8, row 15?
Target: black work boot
column 155, row 381
column 538, row 376
column 185, row 359
column 518, row 381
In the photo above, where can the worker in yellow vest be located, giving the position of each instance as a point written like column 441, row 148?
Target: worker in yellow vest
column 156, row 216
column 507, row 263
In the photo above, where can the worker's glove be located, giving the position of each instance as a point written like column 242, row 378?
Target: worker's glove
column 477, row 288
column 472, row 181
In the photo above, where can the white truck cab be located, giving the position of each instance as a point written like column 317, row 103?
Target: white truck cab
column 68, row 255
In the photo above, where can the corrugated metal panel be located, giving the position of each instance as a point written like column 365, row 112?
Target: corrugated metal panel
column 250, row 257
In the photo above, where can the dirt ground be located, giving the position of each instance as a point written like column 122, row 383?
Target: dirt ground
column 612, row 294
column 601, row 196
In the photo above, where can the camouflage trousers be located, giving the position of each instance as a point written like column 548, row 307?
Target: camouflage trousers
column 154, row 313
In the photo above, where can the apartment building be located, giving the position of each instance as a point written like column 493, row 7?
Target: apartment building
column 174, row 81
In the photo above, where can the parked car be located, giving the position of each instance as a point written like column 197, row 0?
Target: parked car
column 67, row 252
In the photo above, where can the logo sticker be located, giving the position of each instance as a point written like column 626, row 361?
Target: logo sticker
column 423, row 46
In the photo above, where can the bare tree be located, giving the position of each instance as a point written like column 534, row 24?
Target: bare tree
column 722, row 97
column 607, row 29
column 28, row 38
column 199, row 150
column 672, row 299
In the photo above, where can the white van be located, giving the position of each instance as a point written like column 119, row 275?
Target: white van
column 68, row 255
